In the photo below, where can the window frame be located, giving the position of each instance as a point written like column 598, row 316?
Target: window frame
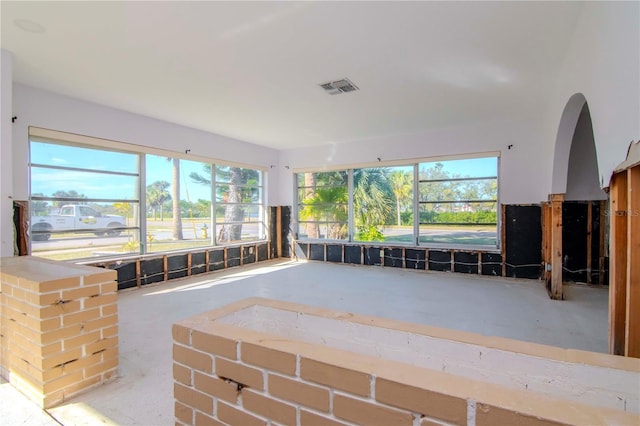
column 54, row 137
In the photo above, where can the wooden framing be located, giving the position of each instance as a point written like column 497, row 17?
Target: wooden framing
column 624, row 276
column 556, row 246
column 589, row 239
column 603, row 227
column 632, row 329
column 545, row 210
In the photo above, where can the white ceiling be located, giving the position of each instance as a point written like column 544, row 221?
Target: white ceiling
column 250, row 70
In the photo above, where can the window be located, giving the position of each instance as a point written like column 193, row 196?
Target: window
column 458, row 202
column 437, row 203
column 239, row 213
column 82, row 201
column 323, row 205
column 88, row 201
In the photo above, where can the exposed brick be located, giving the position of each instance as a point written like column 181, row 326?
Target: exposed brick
column 109, row 331
column 83, row 339
column 302, row 393
column 62, row 382
column 80, row 317
column 232, row 416
column 104, row 299
column 101, row 277
column 272, row 359
column 433, row 404
column 61, row 284
column 191, row 358
column 61, row 358
column 267, row 407
column 100, row 368
column 193, row 398
column 214, row 344
column 45, row 299
column 247, row 376
column 106, row 310
column 204, row 420
column 308, row 418
column 81, row 292
column 489, row 415
column 181, row 334
column 47, row 325
column 101, row 323
column 183, row 413
column 110, row 287
column 101, row 344
column 351, row 381
column 182, row 374
column 60, row 309
column 366, row 413
column 216, row 387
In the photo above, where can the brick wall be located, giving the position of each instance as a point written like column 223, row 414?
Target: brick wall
column 233, row 375
column 59, row 332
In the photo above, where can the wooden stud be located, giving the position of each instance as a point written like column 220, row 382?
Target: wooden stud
column 241, row 255
column 189, row 264
column 503, row 238
column 426, row 259
column 165, row 267
column 632, row 329
column 589, row 239
column 618, row 264
column 602, row 245
column 545, row 221
column 225, row 258
column 279, row 231
column 138, row 283
column 206, row 261
column 404, row 258
column 479, row 254
column 556, row 246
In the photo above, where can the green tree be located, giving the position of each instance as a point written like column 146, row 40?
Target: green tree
column 402, row 187
column 67, row 194
column 157, row 196
column 372, row 202
column 328, row 205
column 38, row 207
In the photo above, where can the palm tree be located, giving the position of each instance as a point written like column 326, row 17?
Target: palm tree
column 329, row 205
column 175, row 189
column 157, row 196
column 372, row 201
column 402, row 187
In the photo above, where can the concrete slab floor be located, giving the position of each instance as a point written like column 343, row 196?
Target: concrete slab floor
column 513, row 308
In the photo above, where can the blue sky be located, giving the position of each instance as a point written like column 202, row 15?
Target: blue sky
column 48, row 181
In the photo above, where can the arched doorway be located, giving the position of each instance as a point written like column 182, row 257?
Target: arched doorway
column 574, row 226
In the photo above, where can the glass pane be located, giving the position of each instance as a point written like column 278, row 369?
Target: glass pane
column 187, row 224
column 383, row 204
column 323, row 230
column 473, row 167
column 82, row 158
column 77, row 184
column 76, row 231
column 485, row 235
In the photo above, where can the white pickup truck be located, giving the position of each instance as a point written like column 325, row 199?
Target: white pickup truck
column 76, row 217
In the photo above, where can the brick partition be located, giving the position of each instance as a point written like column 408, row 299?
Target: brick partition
column 59, row 330
column 237, row 366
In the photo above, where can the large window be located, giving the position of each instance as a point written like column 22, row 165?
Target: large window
column 439, row 203
column 87, row 201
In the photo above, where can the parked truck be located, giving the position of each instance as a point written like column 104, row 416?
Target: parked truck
column 76, row 217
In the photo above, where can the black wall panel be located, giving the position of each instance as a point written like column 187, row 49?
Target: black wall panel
column 492, row 264
column 353, row 255
column 393, row 257
column 248, row 255
column 415, row 259
column 126, row 275
column 263, row 252
column 216, row 260
column 198, row 263
column 151, row 271
column 316, row 252
column 439, row 260
column 233, row 257
column 177, row 266
column 372, row 256
column 334, row 253
column 464, row 262
column 523, row 233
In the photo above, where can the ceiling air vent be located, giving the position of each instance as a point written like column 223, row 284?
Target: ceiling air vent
column 339, row 86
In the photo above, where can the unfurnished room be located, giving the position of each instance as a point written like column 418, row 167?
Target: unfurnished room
column 320, row 213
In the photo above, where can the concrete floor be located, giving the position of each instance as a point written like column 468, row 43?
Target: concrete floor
column 519, row 309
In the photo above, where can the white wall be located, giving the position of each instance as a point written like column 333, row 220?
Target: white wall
column 48, row 110
column 6, row 178
column 520, row 167
column 603, row 63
